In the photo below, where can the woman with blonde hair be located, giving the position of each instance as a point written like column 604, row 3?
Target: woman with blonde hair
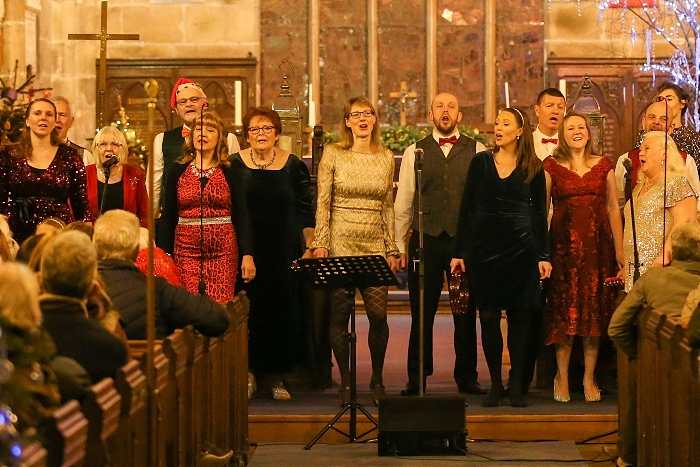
column 111, row 182
column 663, row 198
column 204, row 222
column 355, row 216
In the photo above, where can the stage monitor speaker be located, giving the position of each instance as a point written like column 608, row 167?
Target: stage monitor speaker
column 422, row 426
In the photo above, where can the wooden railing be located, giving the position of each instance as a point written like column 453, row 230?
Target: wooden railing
column 199, row 396
column 668, row 393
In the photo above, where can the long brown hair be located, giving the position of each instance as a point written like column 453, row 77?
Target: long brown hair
column 347, row 139
column 562, row 153
column 526, row 158
column 24, row 148
column 212, row 120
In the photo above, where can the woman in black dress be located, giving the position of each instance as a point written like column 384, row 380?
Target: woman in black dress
column 282, row 221
column 502, row 237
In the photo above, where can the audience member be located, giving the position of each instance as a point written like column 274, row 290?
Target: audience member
column 163, row 264
column 68, row 269
column 49, row 225
column 27, row 248
column 117, row 242
column 9, row 241
column 81, row 226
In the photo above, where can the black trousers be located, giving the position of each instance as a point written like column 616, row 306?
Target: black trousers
column 437, row 254
column 519, row 322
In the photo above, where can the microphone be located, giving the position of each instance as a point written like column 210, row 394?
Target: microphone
column 627, row 164
column 418, row 163
column 110, row 162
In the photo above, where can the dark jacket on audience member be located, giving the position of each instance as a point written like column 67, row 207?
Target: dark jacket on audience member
column 80, row 338
column 664, row 289
column 175, row 306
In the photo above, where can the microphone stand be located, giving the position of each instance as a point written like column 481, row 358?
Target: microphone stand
column 418, row 166
column 665, row 162
column 628, row 189
column 202, row 286
column 106, row 173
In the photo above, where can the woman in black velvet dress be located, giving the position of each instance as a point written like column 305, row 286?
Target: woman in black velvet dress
column 282, row 221
column 502, row 236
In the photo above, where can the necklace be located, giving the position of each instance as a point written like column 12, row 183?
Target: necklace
column 503, row 169
column 203, row 173
column 263, row 166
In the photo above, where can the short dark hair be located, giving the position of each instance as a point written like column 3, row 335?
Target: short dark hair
column 265, row 113
column 554, row 92
column 681, row 93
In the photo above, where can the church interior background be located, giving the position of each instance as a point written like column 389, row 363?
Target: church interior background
column 483, row 51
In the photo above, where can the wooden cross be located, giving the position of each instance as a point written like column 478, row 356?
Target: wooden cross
column 103, row 37
column 403, row 95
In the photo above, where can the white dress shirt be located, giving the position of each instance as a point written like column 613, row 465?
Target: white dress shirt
column 543, row 150
column 158, row 163
column 403, row 205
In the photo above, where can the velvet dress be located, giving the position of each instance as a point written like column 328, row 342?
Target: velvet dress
column 582, row 252
column 502, row 235
column 279, row 322
column 29, row 195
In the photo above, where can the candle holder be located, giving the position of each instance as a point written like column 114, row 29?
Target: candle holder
column 287, row 108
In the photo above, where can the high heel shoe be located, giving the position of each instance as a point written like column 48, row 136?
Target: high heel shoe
column 279, row 392
column 344, row 396
column 252, row 385
column 560, row 397
column 378, row 392
column 592, row 398
column 494, row 397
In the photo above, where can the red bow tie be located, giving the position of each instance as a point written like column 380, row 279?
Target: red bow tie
column 550, row 140
column 452, row 140
column 185, row 132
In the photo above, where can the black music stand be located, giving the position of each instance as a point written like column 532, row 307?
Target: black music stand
column 348, row 272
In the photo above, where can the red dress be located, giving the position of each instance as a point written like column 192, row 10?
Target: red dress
column 582, row 254
column 218, row 242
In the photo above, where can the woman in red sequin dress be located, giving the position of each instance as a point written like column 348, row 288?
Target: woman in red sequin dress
column 205, row 224
column 586, row 248
column 39, row 176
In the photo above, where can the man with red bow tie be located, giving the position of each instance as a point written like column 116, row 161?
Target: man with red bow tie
column 447, row 156
column 550, row 110
column 187, row 99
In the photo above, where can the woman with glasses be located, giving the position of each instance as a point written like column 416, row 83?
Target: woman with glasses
column 111, row 183
column 355, row 216
column 205, row 224
column 39, row 176
column 282, row 222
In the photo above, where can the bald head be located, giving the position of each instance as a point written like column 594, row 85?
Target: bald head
column 445, row 114
column 655, row 118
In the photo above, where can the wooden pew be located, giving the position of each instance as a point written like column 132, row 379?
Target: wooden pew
column 238, row 368
column 66, row 436
column 197, row 366
column 101, row 409
column 647, row 391
column 129, row 445
column 175, row 349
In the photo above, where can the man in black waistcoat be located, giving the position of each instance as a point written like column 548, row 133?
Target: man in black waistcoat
column 64, row 122
column 447, row 156
column 187, row 100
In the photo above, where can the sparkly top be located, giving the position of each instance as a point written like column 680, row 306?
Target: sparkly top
column 686, row 139
column 355, row 208
column 27, row 198
column 648, row 214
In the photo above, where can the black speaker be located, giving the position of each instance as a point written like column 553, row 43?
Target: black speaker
column 422, row 426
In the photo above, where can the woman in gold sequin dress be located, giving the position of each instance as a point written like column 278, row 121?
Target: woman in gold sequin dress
column 648, row 196
column 355, row 216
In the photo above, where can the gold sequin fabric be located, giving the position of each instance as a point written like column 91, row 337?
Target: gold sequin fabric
column 648, row 214
column 355, row 208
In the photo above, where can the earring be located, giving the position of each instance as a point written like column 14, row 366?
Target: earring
column 662, row 162
column 517, row 137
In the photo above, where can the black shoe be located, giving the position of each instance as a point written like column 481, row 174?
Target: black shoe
column 411, row 389
column 494, row 398
column 517, row 400
column 378, row 393
column 344, row 396
column 472, row 388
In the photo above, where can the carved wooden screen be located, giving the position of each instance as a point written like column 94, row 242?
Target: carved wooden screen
column 125, row 79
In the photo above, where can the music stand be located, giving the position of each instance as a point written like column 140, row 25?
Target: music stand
column 350, row 273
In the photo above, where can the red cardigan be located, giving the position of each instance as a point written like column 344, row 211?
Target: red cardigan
column 135, row 195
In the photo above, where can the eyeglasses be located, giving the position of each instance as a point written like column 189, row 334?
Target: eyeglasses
column 267, row 129
column 104, row 144
column 191, row 100
column 356, row 115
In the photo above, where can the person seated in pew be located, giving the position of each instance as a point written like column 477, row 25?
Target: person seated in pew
column 117, row 241
column 692, row 332
column 33, row 380
column 68, row 270
column 665, row 289
column 690, row 317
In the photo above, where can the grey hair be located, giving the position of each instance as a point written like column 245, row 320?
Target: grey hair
column 123, row 152
column 19, row 296
column 65, row 100
column 117, row 235
column 69, row 264
column 685, row 242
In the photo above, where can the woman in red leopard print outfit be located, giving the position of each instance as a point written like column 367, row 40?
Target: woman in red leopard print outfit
column 205, row 224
